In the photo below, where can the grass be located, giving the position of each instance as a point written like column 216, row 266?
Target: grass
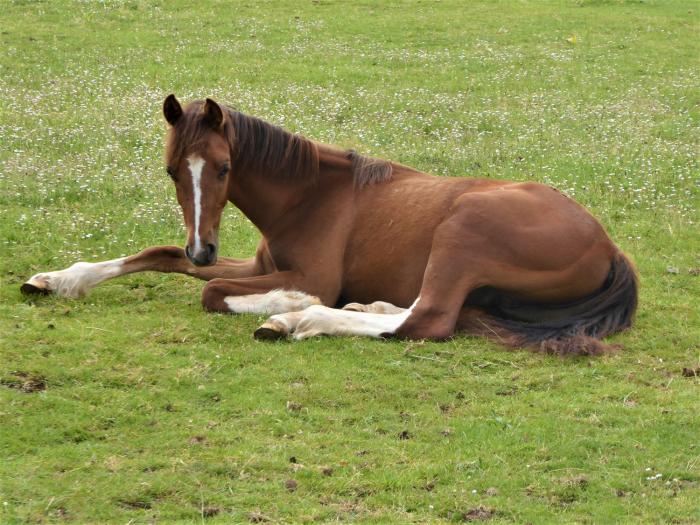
column 133, row 405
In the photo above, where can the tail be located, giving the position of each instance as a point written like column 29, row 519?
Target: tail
column 565, row 329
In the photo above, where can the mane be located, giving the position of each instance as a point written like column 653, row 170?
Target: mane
column 369, row 170
column 272, row 151
column 268, row 150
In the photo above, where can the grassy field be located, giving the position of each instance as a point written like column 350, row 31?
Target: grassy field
column 134, row 406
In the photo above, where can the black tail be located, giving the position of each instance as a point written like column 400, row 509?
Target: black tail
column 564, row 329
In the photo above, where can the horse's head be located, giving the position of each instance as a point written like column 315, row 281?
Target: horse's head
column 198, row 159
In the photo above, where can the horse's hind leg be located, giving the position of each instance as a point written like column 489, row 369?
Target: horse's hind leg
column 79, row 279
column 434, row 316
column 450, row 275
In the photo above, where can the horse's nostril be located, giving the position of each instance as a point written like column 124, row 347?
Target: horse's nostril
column 203, row 257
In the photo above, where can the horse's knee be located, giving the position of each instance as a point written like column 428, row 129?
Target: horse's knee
column 213, row 296
column 166, row 252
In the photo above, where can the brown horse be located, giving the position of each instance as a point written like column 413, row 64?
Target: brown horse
column 404, row 253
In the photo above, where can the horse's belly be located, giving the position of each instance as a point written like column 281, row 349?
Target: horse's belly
column 387, row 263
column 394, row 280
column 389, row 248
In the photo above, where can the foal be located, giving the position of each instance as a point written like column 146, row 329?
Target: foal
column 404, row 253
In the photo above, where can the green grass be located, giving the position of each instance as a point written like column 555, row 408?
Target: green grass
column 153, row 411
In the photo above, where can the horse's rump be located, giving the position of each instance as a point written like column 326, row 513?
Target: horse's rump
column 570, row 328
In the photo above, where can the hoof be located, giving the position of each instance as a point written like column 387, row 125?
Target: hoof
column 35, row 286
column 355, row 307
column 377, row 307
column 265, row 333
column 271, row 331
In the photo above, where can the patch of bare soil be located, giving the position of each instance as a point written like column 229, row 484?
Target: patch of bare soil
column 25, row 382
column 479, row 513
column 135, row 503
column 258, row 517
column 209, row 512
column 579, row 480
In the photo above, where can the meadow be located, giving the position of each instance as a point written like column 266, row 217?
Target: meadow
column 133, row 405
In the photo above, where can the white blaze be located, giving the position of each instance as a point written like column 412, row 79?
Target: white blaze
column 196, row 164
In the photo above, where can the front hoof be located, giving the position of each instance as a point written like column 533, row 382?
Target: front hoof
column 271, row 330
column 37, row 285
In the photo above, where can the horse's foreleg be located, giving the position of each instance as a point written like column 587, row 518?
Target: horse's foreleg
column 79, row 279
column 266, row 294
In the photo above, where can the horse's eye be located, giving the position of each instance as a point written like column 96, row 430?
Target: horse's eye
column 223, row 171
column 171, row 172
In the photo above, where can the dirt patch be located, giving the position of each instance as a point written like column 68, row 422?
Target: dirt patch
column 507, row 392
column 59, row 513
column 479, row 513
column 446, row 408
column 209, row 512
column 197, row 440
column 579, row 480
column 258, row 517
column 292, row 406
column 135, row 503
column 25, row 382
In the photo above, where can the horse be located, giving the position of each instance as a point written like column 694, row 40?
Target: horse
column 359, row 246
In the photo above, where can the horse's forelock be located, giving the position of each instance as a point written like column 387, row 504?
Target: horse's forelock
column 189, row 132
column 255, row 144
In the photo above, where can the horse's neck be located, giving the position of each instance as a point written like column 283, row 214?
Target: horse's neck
column 262, row 200
column 333, row 162
column 267, row 202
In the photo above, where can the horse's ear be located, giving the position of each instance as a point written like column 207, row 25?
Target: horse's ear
column 172, row 110
column 213, row 114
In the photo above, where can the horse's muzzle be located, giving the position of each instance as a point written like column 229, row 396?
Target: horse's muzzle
column 204, row 257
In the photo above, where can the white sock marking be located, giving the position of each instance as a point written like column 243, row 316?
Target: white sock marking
column 274, row 302
column 318, row 320
column 79, row 279
column 196, row 164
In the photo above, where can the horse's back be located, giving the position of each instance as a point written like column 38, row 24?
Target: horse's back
column 525, row 231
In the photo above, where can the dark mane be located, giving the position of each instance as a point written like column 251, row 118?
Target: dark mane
column 267, row 150
column 271, row 151
column 369, row 170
